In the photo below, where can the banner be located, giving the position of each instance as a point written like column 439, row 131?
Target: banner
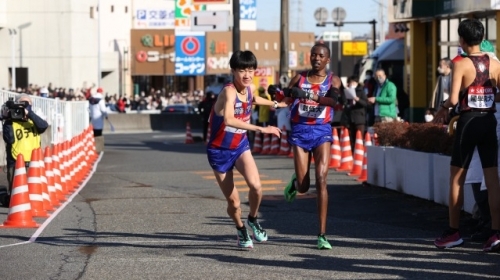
column 190, row 53
column 183, row 9
column 248, row 9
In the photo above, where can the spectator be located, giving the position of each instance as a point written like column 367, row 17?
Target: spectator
column 205, row 108
column 443, row 85
column 384, row 100
column 98, row 112
column 354, row 113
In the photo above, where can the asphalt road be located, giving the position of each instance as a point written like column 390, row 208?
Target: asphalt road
column 152, row 210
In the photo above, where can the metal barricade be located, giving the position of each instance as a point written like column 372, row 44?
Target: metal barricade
column 67, row 118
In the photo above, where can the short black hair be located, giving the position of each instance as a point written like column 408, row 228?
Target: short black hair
column 243, row 60
column 322, row 45
column 471, row 31
column 353, row 79
column 370, row 72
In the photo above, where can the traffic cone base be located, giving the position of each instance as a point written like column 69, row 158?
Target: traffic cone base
column 346, row 160
column 359, row 152
column 19, row 215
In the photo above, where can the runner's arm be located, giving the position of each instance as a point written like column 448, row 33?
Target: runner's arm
column 227, row 97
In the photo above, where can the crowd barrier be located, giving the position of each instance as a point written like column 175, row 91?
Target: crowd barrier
column 67, row 118
column 54, row 174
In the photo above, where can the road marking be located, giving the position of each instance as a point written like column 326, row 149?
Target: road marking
column 39, row 231
column 169, row 136
column 263, row 189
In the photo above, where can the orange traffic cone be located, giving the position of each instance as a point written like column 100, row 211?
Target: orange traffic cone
column 189, row 137
column 346, row 154
column 47, row 205
column 335, row 154
column 364, row 171
column 359, row 151
column 49, row 174
column 56, row 169
column 35, row 186
column 19, row 215
column 284, row 147
column 275, row 145
column 257, row 143
column 266, row 146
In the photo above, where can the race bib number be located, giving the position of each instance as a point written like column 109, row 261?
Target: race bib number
column 481, row 97
column 236, row 130
column 312, row 111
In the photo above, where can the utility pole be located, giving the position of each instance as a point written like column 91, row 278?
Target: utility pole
column 381, row 16
column 236, row 26
column 284, row 43
column 99, row 10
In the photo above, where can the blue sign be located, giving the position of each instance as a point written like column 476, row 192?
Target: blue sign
column 190, row 53
column 248, row 9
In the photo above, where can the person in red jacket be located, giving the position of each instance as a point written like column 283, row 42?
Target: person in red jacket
column 120, row 104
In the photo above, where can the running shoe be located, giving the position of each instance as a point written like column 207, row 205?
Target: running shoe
column 259, row 234
column 323, row 244
column 493, row 243
column 290, row 192
column 244, row 240
column 448, row 240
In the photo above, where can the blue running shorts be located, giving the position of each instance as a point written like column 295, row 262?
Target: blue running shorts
column 223, row 160
column 308, row 137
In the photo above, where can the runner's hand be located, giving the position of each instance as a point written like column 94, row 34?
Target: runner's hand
column 272, row 130
column 441, row 116
column 298, row 93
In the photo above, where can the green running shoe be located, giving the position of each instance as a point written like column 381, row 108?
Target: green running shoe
column 290, row 192
column 323, row 244
column 244, row 240
column 259, row 234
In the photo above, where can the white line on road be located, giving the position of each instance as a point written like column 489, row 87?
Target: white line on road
column 53, row 215
column 169, row 136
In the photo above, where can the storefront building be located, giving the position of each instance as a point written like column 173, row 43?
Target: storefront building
column 180, row 61
column 432, row 35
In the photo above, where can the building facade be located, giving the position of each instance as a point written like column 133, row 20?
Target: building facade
column 430, row 29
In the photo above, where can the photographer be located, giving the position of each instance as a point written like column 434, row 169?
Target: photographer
column 21, row 133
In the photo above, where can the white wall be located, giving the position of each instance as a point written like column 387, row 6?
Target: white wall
column 57, row 40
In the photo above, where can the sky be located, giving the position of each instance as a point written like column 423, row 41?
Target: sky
column 356, row 10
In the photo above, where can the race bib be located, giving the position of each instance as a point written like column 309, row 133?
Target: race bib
column 315, row 111
column 481, row 97
column 237, row 130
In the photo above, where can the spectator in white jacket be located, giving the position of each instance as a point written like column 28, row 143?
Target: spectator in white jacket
column 98, row 112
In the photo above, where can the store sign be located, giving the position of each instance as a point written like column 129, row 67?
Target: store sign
column 154, row 18
column 248, row 9
column 153, row 56
column 190, row 53
column 157, row 40
column 217, row 63
column 218, row 48
column 355, row 48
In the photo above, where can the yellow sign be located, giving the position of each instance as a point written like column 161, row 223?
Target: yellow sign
column 355, row 48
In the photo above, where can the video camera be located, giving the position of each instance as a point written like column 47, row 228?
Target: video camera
column 14, row 110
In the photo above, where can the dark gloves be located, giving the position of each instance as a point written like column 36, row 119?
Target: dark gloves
column 298, row 93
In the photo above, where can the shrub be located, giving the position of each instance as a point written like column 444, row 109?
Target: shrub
column 422, row 137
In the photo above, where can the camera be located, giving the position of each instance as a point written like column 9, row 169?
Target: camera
column 14, row 110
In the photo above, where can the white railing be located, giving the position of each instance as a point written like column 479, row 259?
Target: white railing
column 67, row 118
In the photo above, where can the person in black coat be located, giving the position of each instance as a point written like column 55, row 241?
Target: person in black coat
column 354, row 112
column 205, row 108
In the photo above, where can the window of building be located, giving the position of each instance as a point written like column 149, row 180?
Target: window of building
column 126, row 9
column 91, row 12
column 112, row 8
